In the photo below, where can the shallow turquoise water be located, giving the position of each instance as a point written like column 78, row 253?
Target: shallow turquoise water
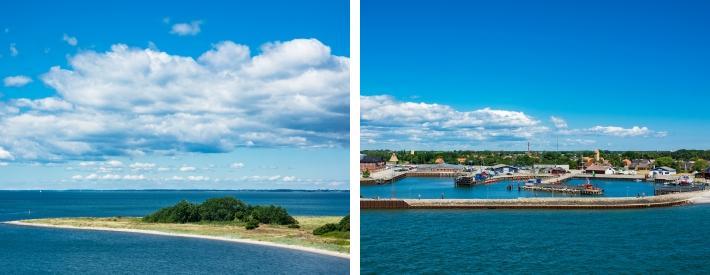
column 433, row 188
column 641, row 241
column 31, row 250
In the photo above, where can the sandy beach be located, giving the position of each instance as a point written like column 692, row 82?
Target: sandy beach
column 153, row 232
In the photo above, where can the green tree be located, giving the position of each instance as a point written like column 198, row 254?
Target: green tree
column 665, row 161
column 182, row 212
column 272, row 215
column 700, row 165
column 223, row 209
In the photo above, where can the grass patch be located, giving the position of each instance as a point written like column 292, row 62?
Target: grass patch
column 282, row 234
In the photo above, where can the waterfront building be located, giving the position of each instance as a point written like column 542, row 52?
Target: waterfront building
column 504, row 169
column 663, row 170
column 599, row 169
column 372, row 164
column 545, row 168
column 393, row 159
column 640, row 165
column 557, row 171
column 704, row 174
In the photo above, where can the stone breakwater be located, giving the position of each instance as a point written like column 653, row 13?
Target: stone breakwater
column 540, row 203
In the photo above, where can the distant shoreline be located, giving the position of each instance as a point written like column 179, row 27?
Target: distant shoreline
column 160, row 233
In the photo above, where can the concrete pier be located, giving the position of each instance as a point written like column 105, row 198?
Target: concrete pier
column 538, row 203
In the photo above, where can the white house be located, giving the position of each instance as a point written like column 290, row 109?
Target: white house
column 663, row 170
column 599, row 169
column 504, row 169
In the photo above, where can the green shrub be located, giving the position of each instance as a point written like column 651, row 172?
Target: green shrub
column 330, row 229
column 182, row 212
column 223, row 209
column 344, row 224
column 227, row 209
column 251, row 224
column 272, row 215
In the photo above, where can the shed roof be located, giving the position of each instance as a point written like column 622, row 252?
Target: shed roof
column 597, row 167
column 502, row 165
column 369, row 159
column 666, row 168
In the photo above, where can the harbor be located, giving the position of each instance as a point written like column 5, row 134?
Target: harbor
column 596, row 184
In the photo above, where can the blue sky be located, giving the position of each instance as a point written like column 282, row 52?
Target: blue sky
column 208, row 94
column 602, row 67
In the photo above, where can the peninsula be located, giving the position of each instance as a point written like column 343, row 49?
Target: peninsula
column 224, row 219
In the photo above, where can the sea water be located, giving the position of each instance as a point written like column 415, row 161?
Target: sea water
column 45, row 250
column 637, row 241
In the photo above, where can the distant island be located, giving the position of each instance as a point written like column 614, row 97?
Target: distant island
column 227, row 219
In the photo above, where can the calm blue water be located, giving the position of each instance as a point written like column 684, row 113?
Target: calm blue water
column 39, row 250
column 647, row 241
column 17, row 204
column 432, row 188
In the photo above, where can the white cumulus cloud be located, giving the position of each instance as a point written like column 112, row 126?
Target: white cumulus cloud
column 292, row 94
column 142, row 166
column 616, row 131
column 558, row 122
column 386, row 119
column 16, row 81
column 72, row 41
column 182, row 29
column 187, row 169
column 5, row 155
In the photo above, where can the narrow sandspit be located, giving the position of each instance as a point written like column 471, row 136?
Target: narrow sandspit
column 152, row 232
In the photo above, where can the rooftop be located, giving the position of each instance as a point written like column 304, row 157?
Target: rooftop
column 369, row 159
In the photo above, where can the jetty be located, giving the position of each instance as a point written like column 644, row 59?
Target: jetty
column 541, row 203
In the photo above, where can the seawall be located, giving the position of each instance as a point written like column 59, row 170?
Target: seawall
column 537, row 203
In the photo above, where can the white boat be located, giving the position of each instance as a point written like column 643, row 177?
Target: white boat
column 685, row 180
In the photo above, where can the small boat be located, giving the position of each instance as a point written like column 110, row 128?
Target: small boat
column 638, row 180
column 531, row 182
column 588, row 188
column 685, row 180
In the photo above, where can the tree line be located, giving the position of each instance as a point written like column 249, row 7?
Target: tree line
column 226, row 209
column 675, row 159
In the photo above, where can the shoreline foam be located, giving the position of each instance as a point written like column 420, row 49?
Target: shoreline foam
column 195, row 236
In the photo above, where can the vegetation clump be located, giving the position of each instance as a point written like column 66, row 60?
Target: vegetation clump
column 340, row 229
column 227, row 209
